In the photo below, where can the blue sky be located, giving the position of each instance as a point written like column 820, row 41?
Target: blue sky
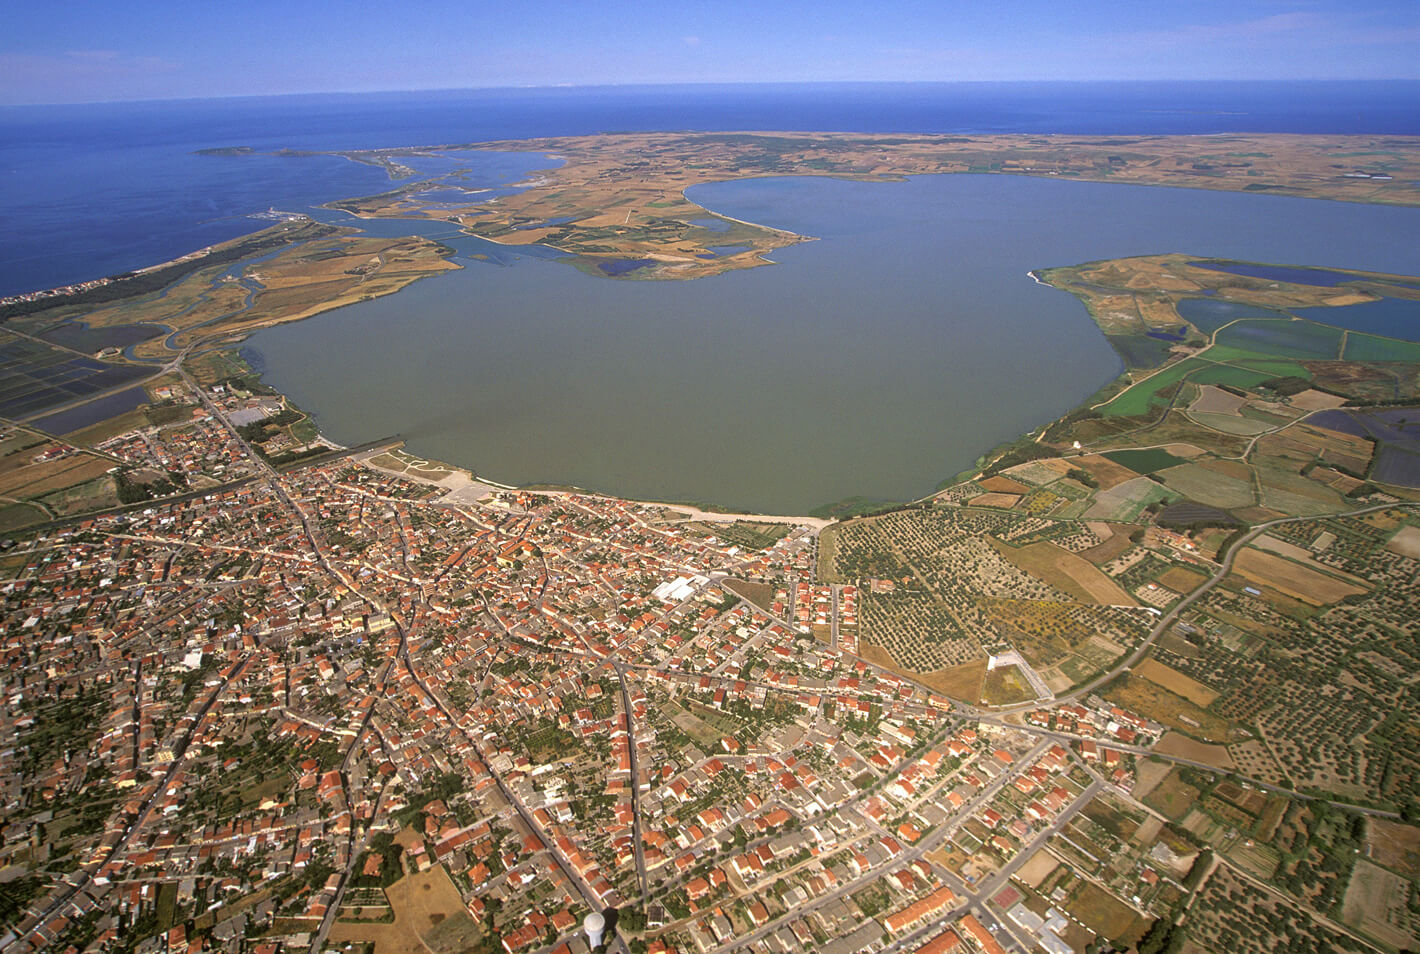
column 65, row 51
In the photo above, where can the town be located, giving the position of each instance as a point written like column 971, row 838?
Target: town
column 336, row 706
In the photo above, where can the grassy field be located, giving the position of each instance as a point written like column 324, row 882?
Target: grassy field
column 760, row 594
column 102, row 431
column 1283, row 337
column 1395, row 845
column 1176, row 682
column 1138, row 399
column 1071, row 574
column 1145, row 461
column 1362, row 347
column 1005, row 686
column 1137, row 694
column 1173, row 743
column 15, row 516
column 1376, row 904
column 1124, row 503
column 1207, row 486
column 743, row 533
column 827, row 551
column 1221, row 364
column 215, row 366
column 1102, row 913
column 1172, row 797
column 1231, row 376
column 22, row 476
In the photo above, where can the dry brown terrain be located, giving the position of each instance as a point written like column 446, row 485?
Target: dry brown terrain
column 318, row 269
column 1313, row 400
column 959, row 682
column 1107, row 472
column 1176, row 682
column 1375, row 904
column 1182, row 580
column 25, row 478
column 1004, row 485
column 1182, row 746
column 1004, row 501
column 1292, row 579
column 1137, row 694
column 429, row 918
column 1406, row 542
column 1395, row 845
column 1066, row 572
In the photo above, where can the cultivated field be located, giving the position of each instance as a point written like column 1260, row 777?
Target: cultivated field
column 1176, row 682
column 1376, row 904
column 1175, row 743
column 1395, row 845
column 1292, row 579
column 1066, row 572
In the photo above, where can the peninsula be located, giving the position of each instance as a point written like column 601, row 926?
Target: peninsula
column 617, row 202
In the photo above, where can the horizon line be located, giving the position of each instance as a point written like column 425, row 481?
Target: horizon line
column 530, row 87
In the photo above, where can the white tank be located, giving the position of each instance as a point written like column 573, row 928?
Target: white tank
column 594, row 924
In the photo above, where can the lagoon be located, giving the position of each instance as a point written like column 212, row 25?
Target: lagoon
column 876, row 361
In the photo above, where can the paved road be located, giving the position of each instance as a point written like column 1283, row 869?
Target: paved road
column 976, row 899
column 590, row 899
column 635, row 778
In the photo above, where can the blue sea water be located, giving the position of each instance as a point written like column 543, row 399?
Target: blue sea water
column 91, row 190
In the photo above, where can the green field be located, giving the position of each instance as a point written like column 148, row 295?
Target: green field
column 1274, row 365
column 1144, row 461
column 1229, row 375
column 1361, row 347
column 1246, row 367
column 1137, row 399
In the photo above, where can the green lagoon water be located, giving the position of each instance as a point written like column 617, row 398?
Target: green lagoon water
column 888, row 354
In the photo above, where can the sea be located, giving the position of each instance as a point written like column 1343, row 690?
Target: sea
column 873, row 362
